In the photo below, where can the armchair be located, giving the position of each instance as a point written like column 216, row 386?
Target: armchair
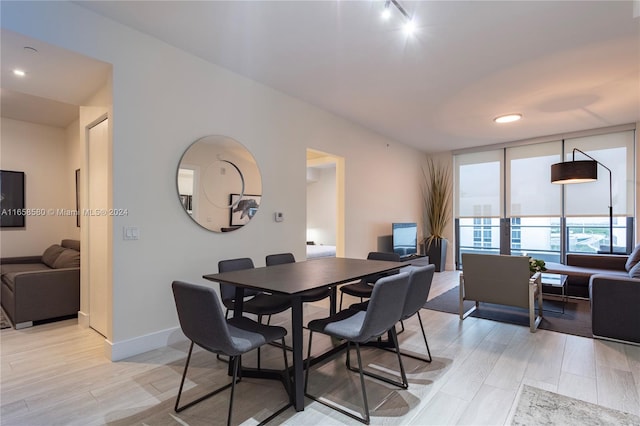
column 500, row 279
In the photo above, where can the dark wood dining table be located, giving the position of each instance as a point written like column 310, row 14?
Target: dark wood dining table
column 293, row 279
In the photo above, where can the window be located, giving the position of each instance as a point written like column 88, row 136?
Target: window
column 508, row 192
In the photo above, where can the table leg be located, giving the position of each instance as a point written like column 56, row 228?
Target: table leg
column 298, row 367
column 237, row 313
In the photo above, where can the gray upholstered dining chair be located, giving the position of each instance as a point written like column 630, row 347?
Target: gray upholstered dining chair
column 356, row 327
column 202, row 321
column 420, row 279
column 362, row 288
column 312, row 295
column 260, row 304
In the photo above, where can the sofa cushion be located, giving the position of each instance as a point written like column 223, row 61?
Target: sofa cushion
column 633, row 259
column 635, row 271
column 72, row 244
column 9, row 271
column 69, row 258
column 581, row 271
column 51, row 254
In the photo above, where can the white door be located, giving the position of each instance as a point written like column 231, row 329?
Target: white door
column 98, row 225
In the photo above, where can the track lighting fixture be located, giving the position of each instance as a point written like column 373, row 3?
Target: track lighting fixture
column 409, row 26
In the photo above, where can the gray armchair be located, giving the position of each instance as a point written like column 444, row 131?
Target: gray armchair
column 500, row 279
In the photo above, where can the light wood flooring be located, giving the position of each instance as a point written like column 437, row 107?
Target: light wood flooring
column 55, row 374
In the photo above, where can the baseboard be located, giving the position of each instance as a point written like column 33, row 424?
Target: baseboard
column 83, row 319
column 116, row 351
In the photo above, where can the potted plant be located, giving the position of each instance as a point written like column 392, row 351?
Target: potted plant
column 436, row 194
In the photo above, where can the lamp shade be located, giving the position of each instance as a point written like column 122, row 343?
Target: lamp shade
column 574, row 172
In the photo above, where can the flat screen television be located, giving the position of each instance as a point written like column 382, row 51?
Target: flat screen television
column 404, row 238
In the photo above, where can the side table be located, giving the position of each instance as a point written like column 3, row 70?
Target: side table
column 554, row 283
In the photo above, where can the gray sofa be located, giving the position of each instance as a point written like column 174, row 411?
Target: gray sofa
column 612, row 283
column 580, row 268
column 615, row 303
column 42, row 287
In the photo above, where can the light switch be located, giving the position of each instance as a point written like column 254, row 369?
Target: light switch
column 131, row 233
column 278, row 216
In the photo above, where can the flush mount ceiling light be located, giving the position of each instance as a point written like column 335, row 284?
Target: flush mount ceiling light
column 507, row 118
column 19, row 73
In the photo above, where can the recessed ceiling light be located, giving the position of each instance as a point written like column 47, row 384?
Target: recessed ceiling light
column 507, row 118
column 29, row 49
column 19, row 73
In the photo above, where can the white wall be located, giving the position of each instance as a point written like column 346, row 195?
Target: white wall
column 164, row 99
column 42, row 153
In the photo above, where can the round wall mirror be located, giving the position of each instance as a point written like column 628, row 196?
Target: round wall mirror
column 219, row 183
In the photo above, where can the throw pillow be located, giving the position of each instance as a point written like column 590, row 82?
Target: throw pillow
column 51, row 254
column 633, row 259
column 69, row 258
column 635, row 271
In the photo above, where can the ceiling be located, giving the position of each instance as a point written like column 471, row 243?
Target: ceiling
column 566, row 66
column 56, row 83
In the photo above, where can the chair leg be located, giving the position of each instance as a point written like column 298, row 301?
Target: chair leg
column 286, row 370
column 236, row 360
column 177, row 408
column 394, row 336
column 424, row 336
column 401, row 325
column 341, row 294
column 184, row 376
column 402, row 385
column 365, row 419
column 364, row 390
column 306, row 376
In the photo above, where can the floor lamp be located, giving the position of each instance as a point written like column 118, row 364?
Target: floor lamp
column 580, row 172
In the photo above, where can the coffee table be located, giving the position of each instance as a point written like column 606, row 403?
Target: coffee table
column 554, row 281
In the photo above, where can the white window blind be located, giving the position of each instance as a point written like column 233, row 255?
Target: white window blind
column 479, row 184
column 614, row 150
column 529, row 188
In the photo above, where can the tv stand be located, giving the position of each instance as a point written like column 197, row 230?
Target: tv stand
column 416, row 259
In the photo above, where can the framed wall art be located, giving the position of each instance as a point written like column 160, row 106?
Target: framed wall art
column 12, row 199
column 244, row 209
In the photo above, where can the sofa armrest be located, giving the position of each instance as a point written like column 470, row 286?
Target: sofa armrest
column 614, row 262
column 614, row 307
column 46, row 294
column 21, row 259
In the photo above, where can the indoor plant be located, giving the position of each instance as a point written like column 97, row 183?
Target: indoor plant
column 436, row 194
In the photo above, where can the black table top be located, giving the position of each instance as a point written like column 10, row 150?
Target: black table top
column 292, row 278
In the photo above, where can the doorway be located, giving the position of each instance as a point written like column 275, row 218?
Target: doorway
column 98, row 225
column 325, row 200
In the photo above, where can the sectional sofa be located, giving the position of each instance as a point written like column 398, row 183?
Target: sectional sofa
column 612, row 283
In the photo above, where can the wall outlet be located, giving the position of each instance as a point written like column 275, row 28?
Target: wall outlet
column 278, row 216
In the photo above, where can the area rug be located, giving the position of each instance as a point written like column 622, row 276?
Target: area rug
column 575, row 320
column 541, row 407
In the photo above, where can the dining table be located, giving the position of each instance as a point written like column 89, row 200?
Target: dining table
column 293, row 279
